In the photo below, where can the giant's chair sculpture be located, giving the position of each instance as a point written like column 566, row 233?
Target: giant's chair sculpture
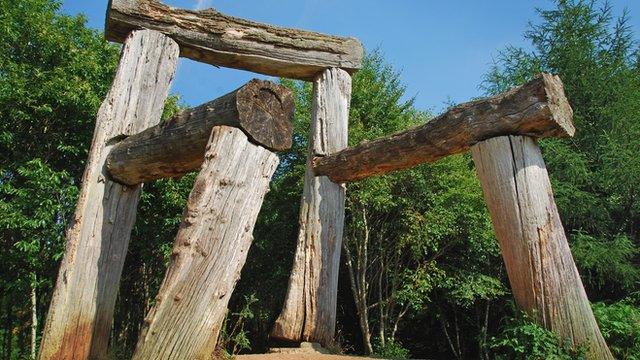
column 233, row 142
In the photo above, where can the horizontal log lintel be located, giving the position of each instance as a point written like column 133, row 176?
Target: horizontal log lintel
column 537, row 109
column 261, row 109
column 214, row 38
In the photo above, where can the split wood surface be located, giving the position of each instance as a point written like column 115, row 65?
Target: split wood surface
column 538, row 109
column 81, row 310
column 309, row 311
column 210, row 249
column 262, row 109
column 214, row 38
column 543, row 276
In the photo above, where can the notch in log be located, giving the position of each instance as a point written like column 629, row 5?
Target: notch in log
column 261, row 109
column 537, row 109
column 214, row 38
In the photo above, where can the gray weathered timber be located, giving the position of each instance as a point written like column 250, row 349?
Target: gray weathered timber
column 538, row 108
column 211, row 37
column 262, row 109
column 309, row 311
column 543, row 276
column 80, row 315
column 210, row 249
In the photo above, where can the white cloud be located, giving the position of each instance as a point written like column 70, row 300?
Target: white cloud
column 203, row 4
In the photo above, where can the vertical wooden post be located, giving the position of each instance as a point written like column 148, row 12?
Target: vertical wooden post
column 81, row 311
column 309, row 311
column 210, row 249
column 541, row 270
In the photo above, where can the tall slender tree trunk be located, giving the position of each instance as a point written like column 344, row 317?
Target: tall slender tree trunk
column 8, row 324
column 361, row 307
column 381, row 304
column 34, row 317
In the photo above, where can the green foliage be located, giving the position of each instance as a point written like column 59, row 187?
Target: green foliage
column 607, row 262
column 233, row 337
column 392, row 349
column 620, row 325
column 521, row 338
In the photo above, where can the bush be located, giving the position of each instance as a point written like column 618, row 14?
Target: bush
column 392, row 349
column 233, row 337
column 521, row 338
column 620, row 325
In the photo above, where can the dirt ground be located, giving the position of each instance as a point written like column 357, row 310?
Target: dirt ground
column 306, row 351
column 300, row 356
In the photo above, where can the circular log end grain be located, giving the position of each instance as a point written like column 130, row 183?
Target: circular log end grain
column 266, row 113
column 559, row 105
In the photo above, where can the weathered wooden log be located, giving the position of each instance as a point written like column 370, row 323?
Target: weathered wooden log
column 81, row 311
column 543, row 276
column 309, row 312
column 262, row 109
column 538, row 109
column 211, row 37
column 210, row 249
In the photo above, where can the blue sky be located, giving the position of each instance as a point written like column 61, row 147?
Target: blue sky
column 442, row 48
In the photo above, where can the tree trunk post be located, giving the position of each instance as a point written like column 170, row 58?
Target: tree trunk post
column 309, row 311
column 543, row 276
column 210, row 249
column 81, row 310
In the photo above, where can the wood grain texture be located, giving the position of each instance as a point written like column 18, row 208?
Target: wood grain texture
column 538, row 109
column 543, row 276
column 80, row 314
column 210, row 249
column 309, row 311
column 214, row 38
column 262, row 109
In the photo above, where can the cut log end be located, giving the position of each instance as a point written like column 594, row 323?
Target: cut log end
column 266, row 114
column 559, row 106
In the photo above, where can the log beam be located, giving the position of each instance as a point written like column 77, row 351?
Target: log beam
column 214, row 38
column 309, row 311
column 543, row 276
column 210, row 249
column 261, row 109
column 538, row 108
column 81, row 311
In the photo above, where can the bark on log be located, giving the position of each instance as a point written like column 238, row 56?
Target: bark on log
column 81, row 310
column 309, row 311
column 538, row 109
column 543, row 276
column 262, row 109
column 210, row 249
column 211, row 37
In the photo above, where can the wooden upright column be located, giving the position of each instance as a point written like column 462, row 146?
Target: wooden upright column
column 542, row 273
column 309, row 311
column 81, row 311
column 210, row 249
